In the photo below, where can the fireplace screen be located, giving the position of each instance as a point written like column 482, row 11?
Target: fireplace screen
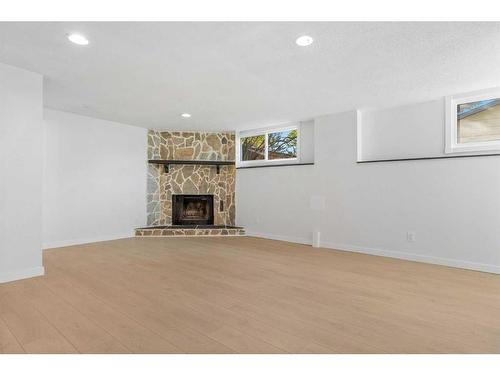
column 192, row 209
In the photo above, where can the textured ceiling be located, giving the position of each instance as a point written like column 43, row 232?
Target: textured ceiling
column 244, row 75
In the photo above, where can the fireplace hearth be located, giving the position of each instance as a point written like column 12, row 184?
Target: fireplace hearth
column 192, row 209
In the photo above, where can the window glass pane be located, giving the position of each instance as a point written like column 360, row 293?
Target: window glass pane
column 253, row 148
column 478, row 121
column 282, row 145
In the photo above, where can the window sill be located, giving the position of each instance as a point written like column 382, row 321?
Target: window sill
column 273, row 165
column 474, row 148
column 424, row 158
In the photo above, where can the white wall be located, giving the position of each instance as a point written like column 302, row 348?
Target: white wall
column 306, row 147
column 452, row 205
column 403, row 132
column 95, row 179
column 21, row 132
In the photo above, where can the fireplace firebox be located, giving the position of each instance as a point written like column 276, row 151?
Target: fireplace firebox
column 192, row 209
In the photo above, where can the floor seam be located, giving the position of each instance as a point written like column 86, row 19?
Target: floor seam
column 12, row 333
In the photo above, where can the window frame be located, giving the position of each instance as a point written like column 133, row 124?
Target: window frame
column 266, row 132
column 452, row 145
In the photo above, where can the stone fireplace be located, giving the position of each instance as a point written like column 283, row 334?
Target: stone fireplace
column 191, row 184
column 192, row 209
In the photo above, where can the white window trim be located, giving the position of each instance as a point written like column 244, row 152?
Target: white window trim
column 265, row 132
column 452, row 146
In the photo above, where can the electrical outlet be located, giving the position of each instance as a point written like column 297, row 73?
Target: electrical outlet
column 411, row 236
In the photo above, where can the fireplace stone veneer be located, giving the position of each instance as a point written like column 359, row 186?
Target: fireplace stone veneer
column 190, row 179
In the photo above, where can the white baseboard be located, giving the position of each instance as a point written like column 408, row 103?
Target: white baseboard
column 25, row 273
column 81, row 241
column 456, row 263
column 303, row 241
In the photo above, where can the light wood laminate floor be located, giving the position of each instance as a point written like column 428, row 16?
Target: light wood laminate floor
column 245, row 295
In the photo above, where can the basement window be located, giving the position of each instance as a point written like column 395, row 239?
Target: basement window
column 269, row 146
column 473, row 122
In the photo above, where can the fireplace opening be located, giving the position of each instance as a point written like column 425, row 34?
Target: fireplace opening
column 192, row 209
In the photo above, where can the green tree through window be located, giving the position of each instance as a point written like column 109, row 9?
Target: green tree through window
column 280, row 145
column 253, row 148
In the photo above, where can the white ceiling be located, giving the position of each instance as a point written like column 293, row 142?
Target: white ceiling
column 245, row 75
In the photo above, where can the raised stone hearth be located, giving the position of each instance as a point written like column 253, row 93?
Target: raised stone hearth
column 189, row 231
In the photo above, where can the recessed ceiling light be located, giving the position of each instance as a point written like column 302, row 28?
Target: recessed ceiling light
column 78, row 39
column 186, row 115
column 304, row 40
